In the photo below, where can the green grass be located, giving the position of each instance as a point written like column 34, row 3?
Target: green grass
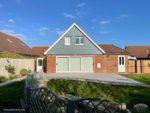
column 145, row 78
column 10, row 95
column 128, row 94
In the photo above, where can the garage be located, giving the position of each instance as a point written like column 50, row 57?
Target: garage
column 74, row 64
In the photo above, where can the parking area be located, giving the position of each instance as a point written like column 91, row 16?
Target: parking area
column 109, row 78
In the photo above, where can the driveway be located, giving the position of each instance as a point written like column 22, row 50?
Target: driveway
column 109, row 78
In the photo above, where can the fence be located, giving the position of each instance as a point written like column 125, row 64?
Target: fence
column 19, row 64
column 43, row 100
column 139, row 66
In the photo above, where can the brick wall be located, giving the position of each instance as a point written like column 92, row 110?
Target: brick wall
column 50, row 63
column 108, row 63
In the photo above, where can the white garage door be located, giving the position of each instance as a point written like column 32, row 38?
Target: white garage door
column 87, row 64
column 62, row 64
column 74, row 64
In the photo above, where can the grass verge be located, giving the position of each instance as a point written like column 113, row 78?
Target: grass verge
column 145, row 78
column 10, row 95
column 131, row 95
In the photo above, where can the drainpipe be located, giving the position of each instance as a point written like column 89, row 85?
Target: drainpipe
column 141, row 66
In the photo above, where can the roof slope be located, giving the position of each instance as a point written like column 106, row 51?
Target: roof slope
column 139, row 51
column 39, row 50
column 12, row 44
column 50, row 50
column 112, row 49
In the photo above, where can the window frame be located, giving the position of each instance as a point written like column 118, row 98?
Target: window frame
column 65, row 42
column 80, row 38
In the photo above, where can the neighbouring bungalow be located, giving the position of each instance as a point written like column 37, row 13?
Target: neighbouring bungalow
column 76, row 52
column 11, row 45
column 139, row 59
column 15, row 52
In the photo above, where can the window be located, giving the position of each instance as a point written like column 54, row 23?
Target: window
column 79, row 41
column 10, row 41
column 67, row 40
column 40, row 62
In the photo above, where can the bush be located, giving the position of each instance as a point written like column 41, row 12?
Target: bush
column 13, row 76
column 23, row 72
column 10, row 69
column 3, row 79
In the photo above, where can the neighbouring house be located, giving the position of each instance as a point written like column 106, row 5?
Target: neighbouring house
column 15, row 52
column 76, row 52
column 139, row 58
column 12, row 44
column 39, row 51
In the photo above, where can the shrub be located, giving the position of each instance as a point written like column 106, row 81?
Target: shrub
column 3, row 79
column 10, row 69
column 23, row 72
column 13, row 76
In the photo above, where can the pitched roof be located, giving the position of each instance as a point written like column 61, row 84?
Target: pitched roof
column 87, row 36
column 39, row 50
column 112, row 49
column 12, row 44
column 139, row 51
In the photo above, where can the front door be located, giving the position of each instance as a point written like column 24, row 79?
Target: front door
column 39, row 65
column 121, row 63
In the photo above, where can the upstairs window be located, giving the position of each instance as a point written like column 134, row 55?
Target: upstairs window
column 67, row 41
column 79, row 41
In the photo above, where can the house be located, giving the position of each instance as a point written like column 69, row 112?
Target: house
column 12, row 44
column 141, row 61
column 76, row 52
column 15, row 52
column 39, row 51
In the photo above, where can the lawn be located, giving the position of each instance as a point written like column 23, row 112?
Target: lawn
column 145, row 78
column 128, row 94
column 10, row 95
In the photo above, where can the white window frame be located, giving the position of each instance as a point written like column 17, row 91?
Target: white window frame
column 67, row 42
column 80, row 38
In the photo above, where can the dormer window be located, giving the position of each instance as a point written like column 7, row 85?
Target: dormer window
column 79, row 41
column 67, row 41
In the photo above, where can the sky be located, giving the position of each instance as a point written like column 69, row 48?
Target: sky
column 41, row 22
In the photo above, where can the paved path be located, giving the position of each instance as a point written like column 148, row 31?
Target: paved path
column 109, row 78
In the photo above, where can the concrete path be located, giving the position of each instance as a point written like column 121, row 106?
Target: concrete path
column 12, row 81
column 109, row 78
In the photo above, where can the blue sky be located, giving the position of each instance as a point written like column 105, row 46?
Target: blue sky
column 40, row 22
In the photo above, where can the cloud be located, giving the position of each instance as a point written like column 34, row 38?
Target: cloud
column 46, row 30
column 9, row 31
column 1, row 5
column 104, row 32
column 11, row 21
column 67, row 15
column 80, row 14
column 13, row 33
column 122, row 16
column 81, row 5
column 103, row 22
